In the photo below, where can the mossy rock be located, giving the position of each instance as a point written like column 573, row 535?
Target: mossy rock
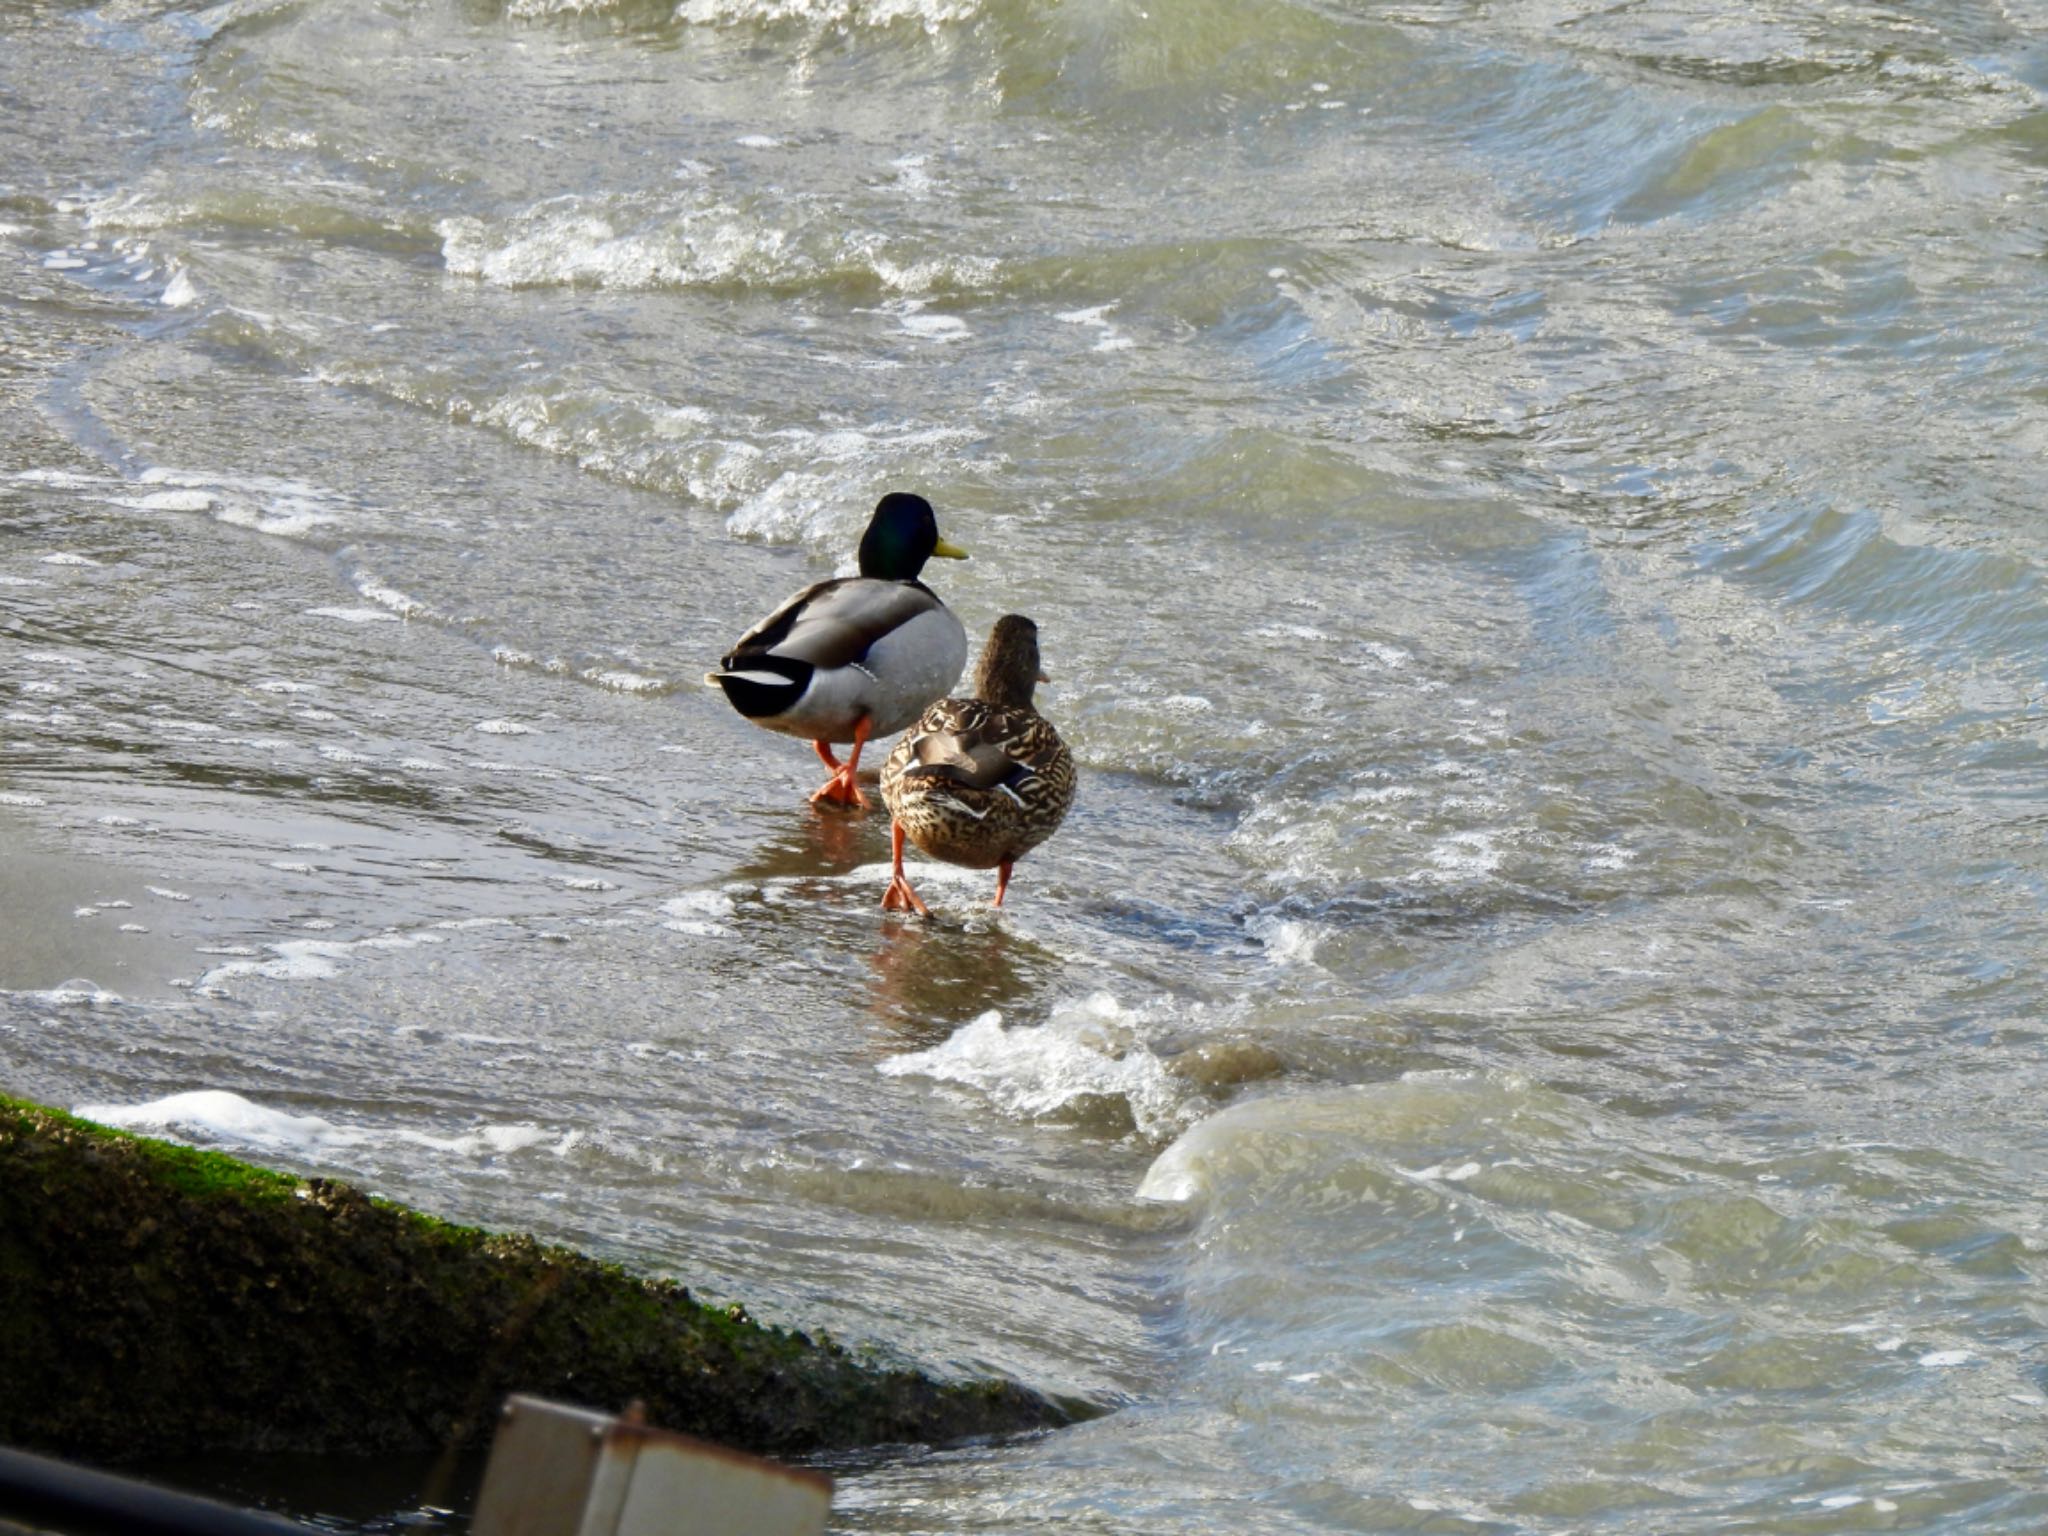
column 160, row 1301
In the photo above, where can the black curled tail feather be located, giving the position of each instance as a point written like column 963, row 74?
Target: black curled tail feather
column 761, row 687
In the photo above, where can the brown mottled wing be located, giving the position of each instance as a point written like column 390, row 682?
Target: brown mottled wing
column 834, row 623
column 1048, row 788
column 961, row 749
column 977, row 785
column 984, row 748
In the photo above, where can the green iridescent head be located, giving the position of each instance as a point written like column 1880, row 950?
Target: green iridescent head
column 901, row 536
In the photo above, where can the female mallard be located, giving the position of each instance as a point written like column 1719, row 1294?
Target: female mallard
column 979, row 781
column 857, row 656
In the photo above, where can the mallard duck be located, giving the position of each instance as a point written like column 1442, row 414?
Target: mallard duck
column 857, row 656
column 979, row 781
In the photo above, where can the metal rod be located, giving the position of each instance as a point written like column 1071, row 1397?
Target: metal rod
column 76, row 1501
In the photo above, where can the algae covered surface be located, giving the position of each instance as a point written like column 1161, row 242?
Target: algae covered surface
column 158, row 1300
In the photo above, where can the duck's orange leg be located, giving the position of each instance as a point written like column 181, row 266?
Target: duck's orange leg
column 900, row 897
column 843, row 788
column 1003, row 879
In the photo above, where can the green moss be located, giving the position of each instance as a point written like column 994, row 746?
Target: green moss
column 156, row 1300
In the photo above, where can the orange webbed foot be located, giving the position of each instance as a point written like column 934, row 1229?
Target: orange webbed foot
column 901, row 898
column 841, row 790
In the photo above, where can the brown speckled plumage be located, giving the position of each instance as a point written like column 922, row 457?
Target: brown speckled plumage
column 980, row 781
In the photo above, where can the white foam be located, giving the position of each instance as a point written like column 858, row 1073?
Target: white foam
column 65, row 557
column 355, row 615
column 1111, row 339
column 570, row 242
column 1463, row 856
column 303, row 959
column 1287, row 941
column 930, row 14
column 22, row 801
column 61, row 479
column 619, row 681
column 1449, row 1173
column 823, row 508
column 218, row 1115
column 503, row 728
column 67, row 994
column 695, row 239
column 922, row 276
column 1086, row 1050
column 265, row 503
column 914, row 321
column 21, row 581
column 1940, row 1359
column 176, row 501
column 912, row 175
column 699, row 914
column 180, row 291
column 497, row 1140
column 282, row 518
column 292, row 960
column 215, row 1114
column 404, row 606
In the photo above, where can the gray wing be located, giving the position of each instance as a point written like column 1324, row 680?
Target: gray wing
column 834, row 623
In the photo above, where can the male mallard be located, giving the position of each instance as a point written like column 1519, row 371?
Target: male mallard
column 979, row 781
column 857, row 656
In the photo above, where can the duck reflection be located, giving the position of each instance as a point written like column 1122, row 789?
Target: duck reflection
column 927, row 979
column 809, row 843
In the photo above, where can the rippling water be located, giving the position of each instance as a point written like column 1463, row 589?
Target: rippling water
column 1535, row 1022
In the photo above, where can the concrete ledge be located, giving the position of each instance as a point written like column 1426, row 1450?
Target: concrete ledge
column 157, row 1301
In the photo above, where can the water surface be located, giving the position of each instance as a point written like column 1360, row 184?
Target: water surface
column 1534, row 1023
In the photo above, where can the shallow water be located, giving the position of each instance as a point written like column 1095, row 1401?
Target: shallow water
column 1535, row 1021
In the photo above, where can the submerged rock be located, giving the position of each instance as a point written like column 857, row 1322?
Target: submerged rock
column 160, row 1301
